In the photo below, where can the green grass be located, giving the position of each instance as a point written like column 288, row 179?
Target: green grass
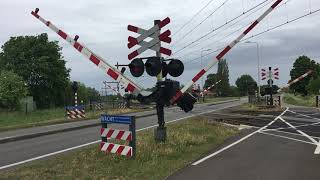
column 187, row 141
column 217, row 99
column 309, row 101
column 15, row 120
column 249, row 106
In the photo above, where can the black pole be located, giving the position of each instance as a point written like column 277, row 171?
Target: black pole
column 270, row 85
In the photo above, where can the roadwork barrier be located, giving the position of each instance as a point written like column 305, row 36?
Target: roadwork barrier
column 121, row 135
column 75, row 112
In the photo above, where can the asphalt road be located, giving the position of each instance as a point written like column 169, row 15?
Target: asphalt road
column 264, row 154
column 14, row 153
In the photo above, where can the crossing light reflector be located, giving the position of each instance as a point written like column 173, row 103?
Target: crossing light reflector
column 153, row 66
column 136, row 67
column 175, row 68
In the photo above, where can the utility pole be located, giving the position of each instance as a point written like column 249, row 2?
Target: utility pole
column 160, row 133
column 270, row 85
column 258, row 59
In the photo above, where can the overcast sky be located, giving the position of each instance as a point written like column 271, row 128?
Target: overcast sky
column 102, row 26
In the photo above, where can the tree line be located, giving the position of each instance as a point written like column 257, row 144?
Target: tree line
column 246, row 85
column 34, row 66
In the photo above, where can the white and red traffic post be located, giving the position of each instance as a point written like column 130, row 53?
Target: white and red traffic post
column 224, row 52
column 124, row 135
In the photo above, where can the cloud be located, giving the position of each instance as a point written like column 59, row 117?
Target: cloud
column 102, row 26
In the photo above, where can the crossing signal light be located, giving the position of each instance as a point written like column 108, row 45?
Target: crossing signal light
column 136, row 67
column 153, row 66
column 175, row 67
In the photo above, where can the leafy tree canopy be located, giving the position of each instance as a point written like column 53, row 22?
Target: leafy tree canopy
column 246, row 85
column 40, row 63
column 301, row 66
column 12, row 89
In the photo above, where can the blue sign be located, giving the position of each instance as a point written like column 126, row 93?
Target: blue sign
column 72, row 108
column 116, row 119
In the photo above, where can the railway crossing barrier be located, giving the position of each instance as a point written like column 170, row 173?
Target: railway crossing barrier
column 276, row 101
column 123, row 135
column 97, row 106
column 75, row 112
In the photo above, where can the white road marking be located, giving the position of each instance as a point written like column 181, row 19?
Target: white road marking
column 238, row 141
column 294, row 139
column 299, row 131
column 317, row 150
column 6, row 137
column 94, row 142
column 266, row 130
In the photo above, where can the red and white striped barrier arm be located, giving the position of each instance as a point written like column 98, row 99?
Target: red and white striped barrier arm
column 296, row 80
column 224, row 52
column 116, row 91
column 116, row 134
column 97, row 60
column 206, row 90
column 116, row 149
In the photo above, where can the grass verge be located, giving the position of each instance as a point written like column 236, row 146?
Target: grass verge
column 217, row 99
column 16, row 120
column 187, row 141
column 309, row 101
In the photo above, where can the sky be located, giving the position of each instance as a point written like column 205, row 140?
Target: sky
column 102, row 27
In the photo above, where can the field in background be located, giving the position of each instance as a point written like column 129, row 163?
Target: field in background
column 187, row 141
column 216, row 99
column 15, row 120
column 299, row 100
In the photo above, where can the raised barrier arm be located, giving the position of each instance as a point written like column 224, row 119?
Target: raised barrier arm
column 97, row 60
column 223, row 53
column 296, row 80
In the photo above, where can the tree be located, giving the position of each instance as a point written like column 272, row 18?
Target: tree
column 301, row 66
column 314, row 86
column 211, row 79
column 12, row 89
column 246, row 85
column 223, row 88
column 40, row 63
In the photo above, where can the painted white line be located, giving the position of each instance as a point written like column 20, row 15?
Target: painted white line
column 47, row 155
column 94, row 142
column 299, row 131
column 238, row 141
column 266, row 130
column 294, row 139
column 317, row 150
column 304, row 115
column 6, row 137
